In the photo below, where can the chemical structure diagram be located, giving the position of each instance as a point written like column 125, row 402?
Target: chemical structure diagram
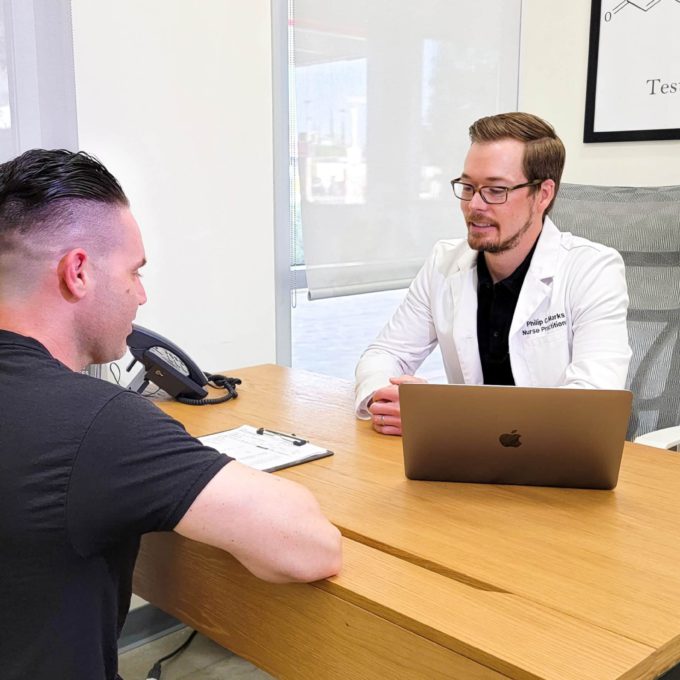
column 644, row 5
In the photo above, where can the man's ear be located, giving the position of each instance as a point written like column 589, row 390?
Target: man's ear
column 546, row 193
column 73, row 271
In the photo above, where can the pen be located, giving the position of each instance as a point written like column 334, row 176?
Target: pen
column 297, row 441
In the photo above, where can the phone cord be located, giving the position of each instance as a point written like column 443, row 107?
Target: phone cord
column 219, row 381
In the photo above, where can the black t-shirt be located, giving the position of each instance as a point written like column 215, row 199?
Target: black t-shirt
column 86, row 468
column 496, row 304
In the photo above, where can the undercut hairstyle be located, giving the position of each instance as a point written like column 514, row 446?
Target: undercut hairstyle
column 544, row 153
column 45, row 196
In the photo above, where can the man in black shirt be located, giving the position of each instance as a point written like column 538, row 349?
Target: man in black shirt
column 86, row 467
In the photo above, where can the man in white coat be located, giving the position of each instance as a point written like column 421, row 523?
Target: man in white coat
column 518, row 302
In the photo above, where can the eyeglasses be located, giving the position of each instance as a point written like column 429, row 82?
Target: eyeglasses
column 492, row 195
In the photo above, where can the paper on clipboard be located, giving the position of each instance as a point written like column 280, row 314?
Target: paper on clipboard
column 268, row 451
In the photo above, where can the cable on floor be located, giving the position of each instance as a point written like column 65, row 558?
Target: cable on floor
column 155, row 672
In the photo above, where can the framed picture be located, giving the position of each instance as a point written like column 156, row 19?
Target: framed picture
column 633, row 91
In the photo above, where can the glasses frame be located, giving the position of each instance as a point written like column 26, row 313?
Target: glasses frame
column 480, row 190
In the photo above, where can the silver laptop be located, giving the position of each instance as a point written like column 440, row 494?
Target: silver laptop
column 539, row 436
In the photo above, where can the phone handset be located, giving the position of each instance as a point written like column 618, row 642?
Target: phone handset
column 172, row 369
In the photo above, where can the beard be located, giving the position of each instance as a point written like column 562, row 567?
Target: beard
column 486, row 244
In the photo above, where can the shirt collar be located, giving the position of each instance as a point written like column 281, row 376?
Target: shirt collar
column 11, row 338
column 513, row 282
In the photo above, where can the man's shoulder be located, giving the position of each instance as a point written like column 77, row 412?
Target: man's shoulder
column 83, row 400
column 114, row 403
column 571, row 243
column 583, row 255
column 449, row 246
column 449, row 253
column 87, row 390
column 35, row 382
column 448, row 257
column 580, row 248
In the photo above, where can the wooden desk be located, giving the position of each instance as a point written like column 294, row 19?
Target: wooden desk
column 440, row 580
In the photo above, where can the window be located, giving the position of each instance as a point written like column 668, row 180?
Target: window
column 37, row 83
column 379, row 102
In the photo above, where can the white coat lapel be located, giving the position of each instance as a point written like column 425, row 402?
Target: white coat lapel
column 538, row 281
column 464, row 294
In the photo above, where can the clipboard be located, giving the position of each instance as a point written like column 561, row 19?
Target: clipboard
column 263, row 449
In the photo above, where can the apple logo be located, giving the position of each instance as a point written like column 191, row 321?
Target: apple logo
column 510, row 439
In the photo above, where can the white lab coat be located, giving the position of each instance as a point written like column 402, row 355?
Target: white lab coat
column 568, row 329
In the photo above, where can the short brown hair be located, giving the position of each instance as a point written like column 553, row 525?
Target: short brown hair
column 544, row 152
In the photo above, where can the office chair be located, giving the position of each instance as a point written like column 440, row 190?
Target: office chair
column 643, row 224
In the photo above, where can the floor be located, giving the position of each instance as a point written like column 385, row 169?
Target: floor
column 328, row 336
column 203, row 659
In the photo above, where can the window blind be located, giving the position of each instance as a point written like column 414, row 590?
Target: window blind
column 37, row 82
column 382, row 95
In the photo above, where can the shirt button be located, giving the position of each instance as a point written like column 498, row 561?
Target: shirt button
column 495, row 334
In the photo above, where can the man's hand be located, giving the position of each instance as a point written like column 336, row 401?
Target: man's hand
column 384, row 405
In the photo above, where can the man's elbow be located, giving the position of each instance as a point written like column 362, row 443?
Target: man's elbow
column 329, row 560
column 320, row 560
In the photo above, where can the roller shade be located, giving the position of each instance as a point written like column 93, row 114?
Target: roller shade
column 382, row 95
column 37, row 80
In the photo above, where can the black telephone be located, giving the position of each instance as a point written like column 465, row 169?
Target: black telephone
column 166, row 365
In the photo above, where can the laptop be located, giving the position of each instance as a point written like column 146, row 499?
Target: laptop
column 538, row 436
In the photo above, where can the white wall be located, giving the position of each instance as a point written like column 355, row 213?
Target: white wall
column 175, row 98
column 553, row 71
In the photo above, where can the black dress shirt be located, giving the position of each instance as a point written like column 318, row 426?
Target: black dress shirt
column 495, row 308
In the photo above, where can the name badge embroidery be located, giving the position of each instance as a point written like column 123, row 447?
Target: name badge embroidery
column 543, row 325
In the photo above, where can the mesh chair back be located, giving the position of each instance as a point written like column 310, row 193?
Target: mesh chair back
column 643, row 224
